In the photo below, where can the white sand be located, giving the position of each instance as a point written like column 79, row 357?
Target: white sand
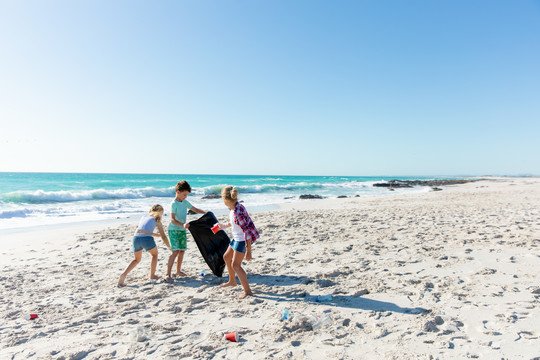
column 448, row 274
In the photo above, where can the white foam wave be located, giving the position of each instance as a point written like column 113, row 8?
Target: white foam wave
column 19, row 213
column 49, row 210
column 268, row 188
column 40, row 196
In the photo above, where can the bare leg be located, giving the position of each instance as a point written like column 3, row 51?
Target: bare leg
column 131, row 266
column 153, row 264
column 179, row 260
column 171, row 263
column 237, row 266
column 228, row 257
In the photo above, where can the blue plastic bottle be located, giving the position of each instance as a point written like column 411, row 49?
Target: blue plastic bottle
column 324, row 298
column 285, row 314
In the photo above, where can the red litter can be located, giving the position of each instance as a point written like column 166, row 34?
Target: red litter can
column 215, row 228
column 31, row 316
column 232, row 336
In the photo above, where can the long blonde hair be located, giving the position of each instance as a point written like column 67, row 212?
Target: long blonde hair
column 229, row 193
column 156, row 211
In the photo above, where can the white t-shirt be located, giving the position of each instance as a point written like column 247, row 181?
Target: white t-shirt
column 238, row 233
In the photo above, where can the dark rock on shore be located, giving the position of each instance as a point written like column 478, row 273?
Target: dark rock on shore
column 212, row 196
column 342, row 196
column 394, row 184
column 308, row 196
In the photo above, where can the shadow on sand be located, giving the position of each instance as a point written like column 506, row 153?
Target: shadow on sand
column 296, row 295
column 345, row 301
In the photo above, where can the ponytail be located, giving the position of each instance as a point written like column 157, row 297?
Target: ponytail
column 156, row 211
column 229, row 193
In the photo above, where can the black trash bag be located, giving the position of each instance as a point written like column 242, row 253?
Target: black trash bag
column 212, row 246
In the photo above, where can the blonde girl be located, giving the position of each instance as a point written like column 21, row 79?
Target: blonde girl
column 244, row 234
column 143, row 239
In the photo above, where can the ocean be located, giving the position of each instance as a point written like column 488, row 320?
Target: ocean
column 37, row 199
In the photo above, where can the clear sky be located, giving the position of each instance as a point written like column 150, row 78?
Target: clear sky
column 360, row 87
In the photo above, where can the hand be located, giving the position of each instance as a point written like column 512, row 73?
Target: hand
column 186, row 225
column 248, row 256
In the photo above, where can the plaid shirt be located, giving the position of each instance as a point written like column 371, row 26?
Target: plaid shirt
column 242, row 219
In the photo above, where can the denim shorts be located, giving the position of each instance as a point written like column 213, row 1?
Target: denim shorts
column 143, row 242
column 239, row 246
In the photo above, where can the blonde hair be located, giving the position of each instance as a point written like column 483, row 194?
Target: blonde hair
column 229, row 193
column 156, row 211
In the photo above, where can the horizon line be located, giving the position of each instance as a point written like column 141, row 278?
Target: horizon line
column 306, row 175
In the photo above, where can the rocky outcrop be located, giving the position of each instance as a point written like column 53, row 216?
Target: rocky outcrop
column 309, row 196
column 212, row 196
column 394, row 184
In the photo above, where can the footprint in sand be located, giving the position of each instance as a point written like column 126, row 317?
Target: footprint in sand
column 195, row 301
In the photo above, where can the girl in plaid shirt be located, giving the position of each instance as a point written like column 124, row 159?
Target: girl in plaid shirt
column 244, row 234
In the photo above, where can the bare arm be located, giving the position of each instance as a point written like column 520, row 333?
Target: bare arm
column 197, row 210
column 248, row 250
column 162, row 234
column 224, row 226
column 174, row 221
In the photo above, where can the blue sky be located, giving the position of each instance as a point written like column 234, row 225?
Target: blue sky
column 271, row 87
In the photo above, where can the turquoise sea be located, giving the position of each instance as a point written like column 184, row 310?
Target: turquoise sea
column 34, row 199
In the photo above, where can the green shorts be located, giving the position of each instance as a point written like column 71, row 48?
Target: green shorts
column 178, row 239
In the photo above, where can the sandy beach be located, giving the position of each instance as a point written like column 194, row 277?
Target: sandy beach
column 448, row 274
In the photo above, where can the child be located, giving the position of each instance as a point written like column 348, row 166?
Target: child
column 143, row 239
column 178, row 226
column 244, row 233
